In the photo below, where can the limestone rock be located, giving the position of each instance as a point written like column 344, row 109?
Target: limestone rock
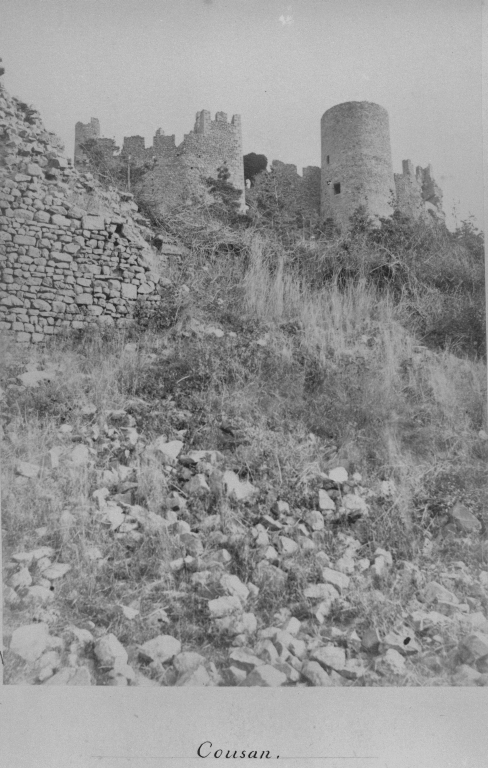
column 38, row 595
column 355, row 506
column 402, row 641
column 197, row 486
column 315, row 520
column 371, row 640
column 288, row 546
column 265, row 676
column 339, row 580
column 25, row 469
column 338, row 475
column 466, row 675
column 235, row 675
column 284, row 641
column 81, row 676
column 109, row 651
column 161, row 649
column 315, row 674
column 245, row 659
column 323, row 592
column 196, row 677
column 266, row 651
column 187, row 662
column 237, row 624
column 22, row 578
column 224, row 606
column 30, row 641
column 330, row 657
column 393, row 663
column 169, row 450
column 436, row 593
column 232, row 585
column 62, row 677
column 80, row 455
column 56, row 571
column 33, row 378
column 292, row 626
column 474, row 647
column 464, row 519
column 240, row 490
column 326, row 504
column 280, row 508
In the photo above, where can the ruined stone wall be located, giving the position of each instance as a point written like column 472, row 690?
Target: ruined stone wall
column 134, row 146
column 174, row 174
column 417, row 194
column 84, row 132
column 212, row 144
column 70, row 253
column 356, row 161
column 282, row 188
column 311, row 189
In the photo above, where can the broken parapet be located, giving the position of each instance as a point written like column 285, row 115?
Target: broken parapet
column 417, row 193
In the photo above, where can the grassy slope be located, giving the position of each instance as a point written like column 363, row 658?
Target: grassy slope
column 308, row 379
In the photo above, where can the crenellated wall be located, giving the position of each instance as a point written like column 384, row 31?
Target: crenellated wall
column 173, row 174
column 356, row 167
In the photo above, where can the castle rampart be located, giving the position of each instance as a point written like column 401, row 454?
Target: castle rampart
column 174, row 174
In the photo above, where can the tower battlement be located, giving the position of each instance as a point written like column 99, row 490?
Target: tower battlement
column 84, row 132
column 174, row 172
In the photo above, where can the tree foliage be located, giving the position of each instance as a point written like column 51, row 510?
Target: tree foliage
column 226, row 198
column 253, row 165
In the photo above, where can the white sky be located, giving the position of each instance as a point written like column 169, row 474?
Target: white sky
column 142, row 64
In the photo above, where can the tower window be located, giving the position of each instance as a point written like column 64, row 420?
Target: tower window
column 328, row 159
column 337, row 189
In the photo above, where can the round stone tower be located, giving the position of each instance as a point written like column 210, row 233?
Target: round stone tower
column 356, row 161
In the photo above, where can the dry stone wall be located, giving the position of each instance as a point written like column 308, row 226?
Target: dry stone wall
column 71, row 253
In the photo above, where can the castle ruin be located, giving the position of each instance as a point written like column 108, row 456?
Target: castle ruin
column 174, row 173
column 357, row 169
column 356, row 166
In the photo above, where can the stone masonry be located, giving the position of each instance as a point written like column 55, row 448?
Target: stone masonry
column 356, row 167
column 300, row 195
column 70, row 253
column 174, row 173
column 356, row 161
column 418, row 196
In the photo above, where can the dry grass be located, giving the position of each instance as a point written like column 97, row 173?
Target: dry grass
column 337, row 363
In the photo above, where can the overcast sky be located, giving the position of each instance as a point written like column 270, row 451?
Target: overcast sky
column 142, row 64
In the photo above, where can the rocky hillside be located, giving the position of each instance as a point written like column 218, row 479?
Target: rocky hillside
column 252, row 483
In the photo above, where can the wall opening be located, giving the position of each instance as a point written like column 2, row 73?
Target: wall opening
column 328, row 159
column 337, row 189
